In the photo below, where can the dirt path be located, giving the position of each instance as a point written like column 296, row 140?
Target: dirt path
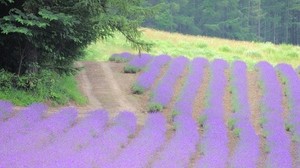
column 107, row 87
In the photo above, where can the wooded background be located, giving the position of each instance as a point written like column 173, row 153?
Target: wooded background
column 276, row 21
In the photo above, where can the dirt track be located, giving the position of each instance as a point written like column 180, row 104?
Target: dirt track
column 107, row 87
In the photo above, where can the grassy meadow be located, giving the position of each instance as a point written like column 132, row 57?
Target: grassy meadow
column 176, row 44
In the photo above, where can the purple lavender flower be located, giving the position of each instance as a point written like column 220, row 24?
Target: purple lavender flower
column 214, row 143
column 140, row 150
column 121, row 57
column 23, row 119
column 6, row 109
column 278, row 143
column 147, row 78
column 140, row 61
column 163, row 93
column 246, row 153
column 184, row 104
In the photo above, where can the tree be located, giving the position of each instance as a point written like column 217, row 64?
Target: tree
column 37, row 34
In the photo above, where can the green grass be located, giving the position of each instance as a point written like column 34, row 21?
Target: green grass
column 64, row 91
column 176, row 44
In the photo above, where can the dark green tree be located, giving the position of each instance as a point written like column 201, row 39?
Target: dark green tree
column 50, row 34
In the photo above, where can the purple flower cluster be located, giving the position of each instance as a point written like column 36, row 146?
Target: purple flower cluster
column 184, row 104
column 290, row 76
column 140, row 61
column 23, row 119
column 182, row 146
column 163, row 93
column 214, row 142
column 27, row 147
column 147, row 78
column 246, row 153
column 104, row 147
column 39, row 135
column 6, row 109
column 278, row 143
column 138, row 153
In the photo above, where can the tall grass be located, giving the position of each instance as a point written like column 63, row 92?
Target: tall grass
column 176, row 44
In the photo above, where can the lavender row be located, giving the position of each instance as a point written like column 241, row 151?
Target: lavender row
column 102, row 148
column 140, row 61
column 278, row 143
column 139, row 151
column 163, row 93
column 61, row 145
column 246, row 153
column 214, row 142
column 147, row 78
column 23, row 119
column 184, row 104
column 31, row 138
column 292, row 83
column 182, row 146
column 6, row 109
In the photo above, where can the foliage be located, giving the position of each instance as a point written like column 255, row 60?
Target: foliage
column 36, row 87
column 42, row 34
column 131, row 69
column 136, row 89
column 202, row 119
column 251, row 20
column 175, row 44
column 155, row 107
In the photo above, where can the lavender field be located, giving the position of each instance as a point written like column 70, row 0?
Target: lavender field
column 200, row 114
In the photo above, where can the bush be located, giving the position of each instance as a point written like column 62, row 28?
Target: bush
column 155, row 107
column 38, row 87
column 231, row 123
column 117, row 59
column 131, row 69
column 136, row 89
column 237, row 132
column 202, row 120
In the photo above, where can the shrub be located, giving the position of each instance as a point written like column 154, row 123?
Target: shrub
column 202, row 120
column 288, row 127
column 131, row 69
column 231, row 123
column 225, row 49
column 155, row 107
column 136, row 89
column 237, row 132
column 202, row 45
column 255, row 54
column 117, row 59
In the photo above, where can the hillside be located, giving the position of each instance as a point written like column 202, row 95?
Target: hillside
column 175, row 44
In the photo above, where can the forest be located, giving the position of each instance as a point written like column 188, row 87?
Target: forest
column 276, row 21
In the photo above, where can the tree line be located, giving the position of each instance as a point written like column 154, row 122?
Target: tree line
column 276, row 21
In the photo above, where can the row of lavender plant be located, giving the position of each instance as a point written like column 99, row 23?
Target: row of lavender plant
column 163, row 93
column 214, row 142
column 30, row 138
column 278, row 143
column 6, row 110
column 23, row 119
column 183, row 144
column 185, row 102
column 147, row 78
column 140, row 61
column 54, row 145
column 139, row 151
column 105, row 148
column 292, row 82
column 246, row 153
